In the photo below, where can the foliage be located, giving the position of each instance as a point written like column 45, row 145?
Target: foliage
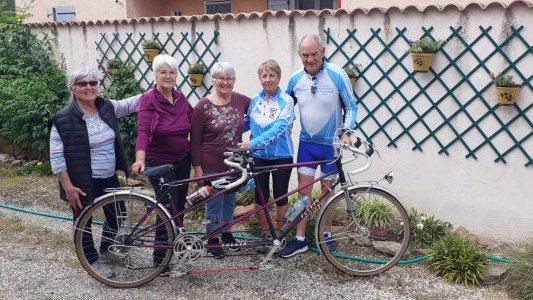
column 197, row 68
column 43, row 168
column 375, row 213
column 519, row 278
column 457, row 260
column 114, row 63
column 352, row 70
column 32, row 85
column 151, row 44
column 124, row 85
column 425, row 45
column 425, row 231
column 503, row 80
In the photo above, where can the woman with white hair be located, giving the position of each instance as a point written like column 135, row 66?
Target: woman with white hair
column 218, row 123
column 163, row 127
column 86, row 151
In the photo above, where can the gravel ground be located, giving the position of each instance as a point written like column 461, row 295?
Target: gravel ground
column 37, row 261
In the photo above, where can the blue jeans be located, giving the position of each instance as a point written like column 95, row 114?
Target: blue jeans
column 219, row 211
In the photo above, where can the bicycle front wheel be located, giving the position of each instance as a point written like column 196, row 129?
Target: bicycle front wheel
column 365, row 234
column 124, row 241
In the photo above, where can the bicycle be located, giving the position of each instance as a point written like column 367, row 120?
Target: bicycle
column 147, row 235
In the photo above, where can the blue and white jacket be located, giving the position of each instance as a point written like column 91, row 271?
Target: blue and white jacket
column 321, row 113
column 271, row 125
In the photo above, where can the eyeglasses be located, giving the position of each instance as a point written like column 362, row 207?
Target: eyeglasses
column 314, row 82
column 166, row 73
column 227, row 80
column 85, row 83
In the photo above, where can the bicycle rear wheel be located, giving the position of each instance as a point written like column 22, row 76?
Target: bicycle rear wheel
column 356, row 245
column 129, row 234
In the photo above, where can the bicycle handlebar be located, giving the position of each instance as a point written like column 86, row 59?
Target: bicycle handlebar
column 240, row 164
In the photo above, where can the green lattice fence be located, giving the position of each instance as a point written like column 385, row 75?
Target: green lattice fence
column 454, row 104
column 185, row 48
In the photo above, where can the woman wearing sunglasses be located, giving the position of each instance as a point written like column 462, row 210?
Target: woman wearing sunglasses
column 86, row 151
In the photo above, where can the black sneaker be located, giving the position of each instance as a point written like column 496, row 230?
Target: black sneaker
column 227, row 238
column 216, row 251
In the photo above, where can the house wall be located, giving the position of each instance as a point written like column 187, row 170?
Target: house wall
column 488, row 198
column 85, row 10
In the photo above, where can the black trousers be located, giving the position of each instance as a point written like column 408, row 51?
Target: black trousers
column 280, row 179
column 111, row 222
column 170, row 197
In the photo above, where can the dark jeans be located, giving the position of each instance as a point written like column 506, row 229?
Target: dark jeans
column 166, row 196
column 111, row 222
column 280, row 179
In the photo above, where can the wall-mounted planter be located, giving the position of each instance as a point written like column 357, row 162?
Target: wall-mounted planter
column 196, row 79
column 422, row 61
column 150, row 54
column 507, row 94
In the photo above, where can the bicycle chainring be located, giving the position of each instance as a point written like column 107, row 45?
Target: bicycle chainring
column 188, row 248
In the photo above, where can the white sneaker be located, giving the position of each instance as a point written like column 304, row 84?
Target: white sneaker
column 102, row 269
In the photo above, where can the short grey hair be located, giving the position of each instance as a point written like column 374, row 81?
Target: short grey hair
column 162, row 59
column 86, row 72
column 222, row 69
column 315, row 37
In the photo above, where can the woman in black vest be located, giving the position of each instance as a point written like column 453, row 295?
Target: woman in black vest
column 86, row 151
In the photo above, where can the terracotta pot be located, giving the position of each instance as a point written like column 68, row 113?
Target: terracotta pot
column 507, row 94
column 150, row 54
column 196, row 79
column 422, row 61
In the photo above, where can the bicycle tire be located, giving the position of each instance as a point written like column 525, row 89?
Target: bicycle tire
column 129, row 247
column 355, row 247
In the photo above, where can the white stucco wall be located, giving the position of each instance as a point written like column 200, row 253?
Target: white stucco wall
column 489, row 199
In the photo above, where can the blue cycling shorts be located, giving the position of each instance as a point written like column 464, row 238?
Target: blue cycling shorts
column 308, row 152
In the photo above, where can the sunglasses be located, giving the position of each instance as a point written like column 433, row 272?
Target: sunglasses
column 85, row 83
column 314, row 82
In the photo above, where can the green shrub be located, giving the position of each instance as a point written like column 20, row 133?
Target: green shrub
column 124, row 85
column 426, row 230
column 457, row 260
column 42, row 168
column 32, row 85
column 519, row 278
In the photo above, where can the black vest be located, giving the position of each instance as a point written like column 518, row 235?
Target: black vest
column 73, row 132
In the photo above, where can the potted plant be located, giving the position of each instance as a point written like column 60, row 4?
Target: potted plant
column 352, row 72
column 113, row 64
column 422, row 52
column 506, row 88
column 377, row 216
column 196, row 74
column 151, row 49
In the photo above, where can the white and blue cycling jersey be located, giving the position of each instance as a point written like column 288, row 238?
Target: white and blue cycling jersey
column 271, row 125
column 322, row 99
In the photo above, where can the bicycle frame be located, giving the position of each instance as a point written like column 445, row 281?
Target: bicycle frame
column 264, row 206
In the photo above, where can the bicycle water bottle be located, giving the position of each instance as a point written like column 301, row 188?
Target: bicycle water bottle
column 199, row 194
column 296, row 209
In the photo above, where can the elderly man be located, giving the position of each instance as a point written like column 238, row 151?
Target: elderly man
column 326, row 101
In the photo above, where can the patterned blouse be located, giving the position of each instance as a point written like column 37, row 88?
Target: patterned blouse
column 214, row 128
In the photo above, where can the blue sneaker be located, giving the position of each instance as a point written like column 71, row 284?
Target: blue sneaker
column 294, row 247
column 330, row 243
